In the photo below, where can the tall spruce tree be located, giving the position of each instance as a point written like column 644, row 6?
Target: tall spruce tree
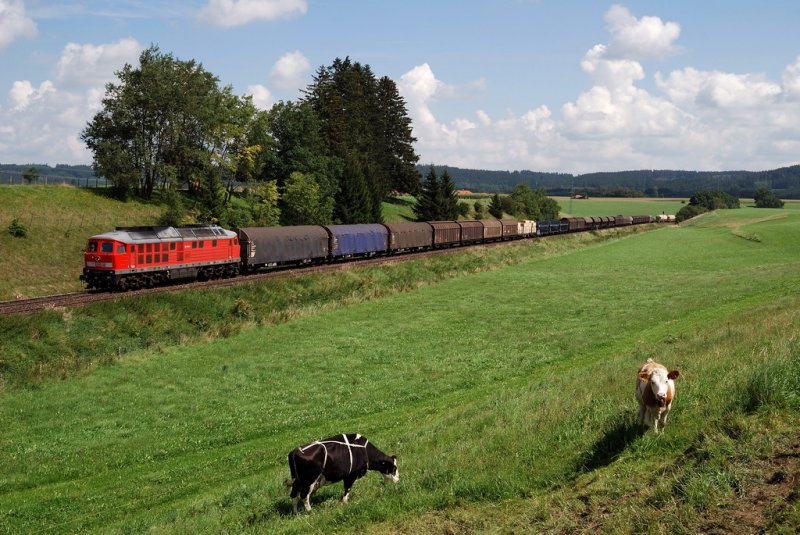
column 448, row 198
column 363, row 120
column 354, row 204
column 429, row 199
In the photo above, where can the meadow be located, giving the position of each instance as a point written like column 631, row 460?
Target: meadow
column 506, row 393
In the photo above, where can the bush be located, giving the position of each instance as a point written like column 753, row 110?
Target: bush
column 18, row 229
column 689, row 211
column 714, row 200
column 766, row 199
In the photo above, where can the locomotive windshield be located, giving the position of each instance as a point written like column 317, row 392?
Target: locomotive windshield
column 107, row 247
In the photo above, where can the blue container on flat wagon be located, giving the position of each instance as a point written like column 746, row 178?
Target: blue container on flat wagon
column 357, row 240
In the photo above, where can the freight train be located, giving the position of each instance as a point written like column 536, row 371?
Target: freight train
column 130, row 258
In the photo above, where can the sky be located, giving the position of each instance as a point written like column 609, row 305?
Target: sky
column 571, row 86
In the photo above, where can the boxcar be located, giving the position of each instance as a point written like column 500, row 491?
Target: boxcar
column 445, row 233
column 545, row 228
column 526, row 228
column 641, row 219
column 273, row 246
column 510, row 228
column 471, row 231
column 574, row 224
column 409, row 236
column 621, row 220
column 357, row 240
column 492, row 229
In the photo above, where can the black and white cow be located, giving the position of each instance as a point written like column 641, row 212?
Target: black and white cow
column 339, row 458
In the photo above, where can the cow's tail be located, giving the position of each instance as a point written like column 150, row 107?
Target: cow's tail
column 292, row 470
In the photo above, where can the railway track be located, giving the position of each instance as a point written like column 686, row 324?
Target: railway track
column 77, row 299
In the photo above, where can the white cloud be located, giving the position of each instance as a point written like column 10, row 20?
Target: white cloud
column 14, row 22
column 262, row 97
column 290, row 71
column 691, row 87
column 23, row 93
column 94, row 65
column 43, row 124
column 230, row 13
column 648, row 37
column 791, row 79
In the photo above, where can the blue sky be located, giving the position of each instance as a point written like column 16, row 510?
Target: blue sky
column 547, row 85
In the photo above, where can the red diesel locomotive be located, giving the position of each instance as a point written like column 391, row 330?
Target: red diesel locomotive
column 142, row 257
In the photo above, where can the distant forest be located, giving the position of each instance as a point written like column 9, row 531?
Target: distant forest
column 784, row 182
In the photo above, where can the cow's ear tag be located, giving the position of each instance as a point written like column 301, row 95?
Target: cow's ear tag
column 644, row 377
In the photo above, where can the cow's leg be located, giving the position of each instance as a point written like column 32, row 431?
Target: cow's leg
column 348, row 484
column 296, row 492
column 642, row 416
column 663, row 419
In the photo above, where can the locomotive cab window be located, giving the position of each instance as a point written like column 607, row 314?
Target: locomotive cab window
column 120, row 249
column 107, row 247
column 92, row 247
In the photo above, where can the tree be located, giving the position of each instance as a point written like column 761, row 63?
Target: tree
column 479, row 210
column 398, row 158
column 263, row 201
column 301, row 201
column 689, row 211
column 496, row 207
column 293, row 143
column 765, row 198
column 448, row 208
column 429, row 201
column 168, row 121
column 354, row 204
column 363, row 120
column 31, row 175
column 714, row 200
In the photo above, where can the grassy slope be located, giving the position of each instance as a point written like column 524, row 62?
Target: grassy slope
column 194, row 439
column 59, row 219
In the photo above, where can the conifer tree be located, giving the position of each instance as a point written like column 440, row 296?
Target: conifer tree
column 364, row 118
column 496, row 206
column 448, row 209
column 353, row 203
column 428, row 201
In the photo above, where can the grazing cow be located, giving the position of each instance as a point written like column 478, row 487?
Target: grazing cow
column 339, row 458
column 655, row 391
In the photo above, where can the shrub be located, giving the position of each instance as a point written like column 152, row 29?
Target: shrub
column 765, row 198
column 18, row 229
column 714, row 200
column 689, row 211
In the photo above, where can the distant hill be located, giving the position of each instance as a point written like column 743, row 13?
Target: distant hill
column 785, row 182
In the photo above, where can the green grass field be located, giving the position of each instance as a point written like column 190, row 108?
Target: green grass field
column 633, row 206
column 507, row 395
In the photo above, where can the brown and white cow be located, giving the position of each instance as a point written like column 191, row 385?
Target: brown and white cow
column 338, row 458
column 655, row 392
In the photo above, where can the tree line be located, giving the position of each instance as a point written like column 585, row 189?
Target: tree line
column 784, row 182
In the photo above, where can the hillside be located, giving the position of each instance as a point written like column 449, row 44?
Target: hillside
column 505, row 391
